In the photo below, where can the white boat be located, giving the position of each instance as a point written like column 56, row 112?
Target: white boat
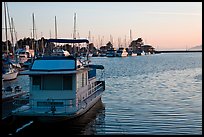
column 24, row 55
column 9, row 70
column 134, row 54
column 121, row 52
column 61, row 87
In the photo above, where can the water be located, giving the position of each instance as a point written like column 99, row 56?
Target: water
column 152, row 94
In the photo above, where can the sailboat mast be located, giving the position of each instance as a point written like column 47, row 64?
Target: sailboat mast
column 89, row 35
column 130, row 37
column 10, row 27
column 74, row 35
column 33, row 33
column 15, row 33
column 12, row 35
column 55, row 27
column 6, row 28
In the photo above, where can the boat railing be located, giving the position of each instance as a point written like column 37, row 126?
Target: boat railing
column 92, row 93
column 100, row 86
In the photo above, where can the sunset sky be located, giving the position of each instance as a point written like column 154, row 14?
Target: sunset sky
column 164, row 25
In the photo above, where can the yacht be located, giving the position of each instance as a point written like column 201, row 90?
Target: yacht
column 61, row 87
column 9, row 69
column 24, row 55
column 121, row 52
column 111, row 52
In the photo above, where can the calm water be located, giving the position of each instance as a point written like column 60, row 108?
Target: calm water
column 152, row 94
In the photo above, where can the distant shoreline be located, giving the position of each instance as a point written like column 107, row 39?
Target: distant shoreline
column 171, row 51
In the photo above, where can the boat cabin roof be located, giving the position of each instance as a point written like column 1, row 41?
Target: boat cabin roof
column 54, row 65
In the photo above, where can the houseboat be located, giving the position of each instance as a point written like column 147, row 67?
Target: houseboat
column 61, row 87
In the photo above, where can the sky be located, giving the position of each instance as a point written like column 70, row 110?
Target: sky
column 164, row 25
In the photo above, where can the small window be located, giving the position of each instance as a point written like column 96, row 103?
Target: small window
column 83, row 80
column 67, row 82
column 36, row 80
column 52, row 82
column 36, row 85
column 86, row 78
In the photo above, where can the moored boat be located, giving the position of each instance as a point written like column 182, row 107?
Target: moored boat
column 9, row 93
column 9, row 69
column 61, row 87
column 121, row 52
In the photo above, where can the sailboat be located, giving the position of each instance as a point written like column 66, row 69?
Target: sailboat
column 9, row 68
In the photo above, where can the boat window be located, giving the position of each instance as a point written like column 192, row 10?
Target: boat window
column 82, row 79
column 79, row 81
column 37, row 81
column 52, row 82
column 92, row 73
column 67, row 82
column 86, row 79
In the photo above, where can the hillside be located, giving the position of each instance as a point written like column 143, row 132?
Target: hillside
column 196, row 48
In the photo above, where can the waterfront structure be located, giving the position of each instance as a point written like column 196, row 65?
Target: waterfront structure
column 61, row 87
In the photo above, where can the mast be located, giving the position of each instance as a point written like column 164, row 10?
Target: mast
column 33, row 33
column 55, row 27
column 11, row 28
column 125, row 42
column 12, row 36
column 130, row 37
column 74, row 35
column 14, row 30
column 6, row 28
column 50, row 34
column 89, row 35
